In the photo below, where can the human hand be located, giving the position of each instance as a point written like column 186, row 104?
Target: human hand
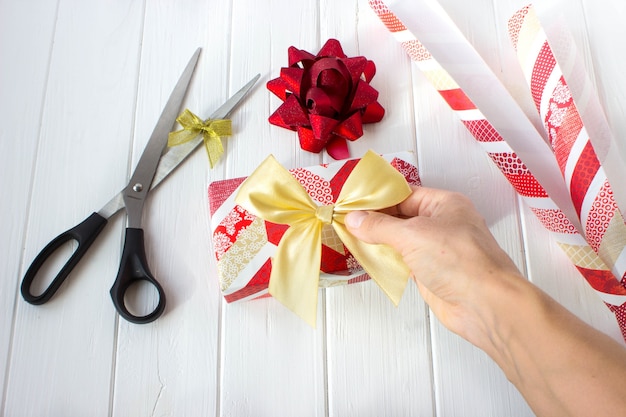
column 476, row 291
column 457, row 264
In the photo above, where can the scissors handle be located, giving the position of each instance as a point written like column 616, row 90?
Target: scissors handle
column 85, row 234
column 134, row 269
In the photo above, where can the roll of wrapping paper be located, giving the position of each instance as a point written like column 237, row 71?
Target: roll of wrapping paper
column 500, row 142
column 586, row 179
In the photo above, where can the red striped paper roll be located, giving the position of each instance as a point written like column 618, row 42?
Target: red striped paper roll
column 597, row 210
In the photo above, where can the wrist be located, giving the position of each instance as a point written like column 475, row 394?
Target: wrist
column 530, row 335
column 509, row 313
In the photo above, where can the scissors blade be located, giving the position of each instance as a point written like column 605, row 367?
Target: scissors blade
column 139, row 184
column 177, row 155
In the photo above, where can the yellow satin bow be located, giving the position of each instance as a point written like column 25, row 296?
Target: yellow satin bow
column 211, row 131
column 273, row 194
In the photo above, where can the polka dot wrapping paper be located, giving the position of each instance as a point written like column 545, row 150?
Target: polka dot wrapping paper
column 589, row 226
column 244, row 244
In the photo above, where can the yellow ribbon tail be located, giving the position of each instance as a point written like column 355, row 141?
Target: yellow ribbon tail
column 297, row 288
column 214, row 149
column 212, row 133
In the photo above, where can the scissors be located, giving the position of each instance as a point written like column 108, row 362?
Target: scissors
column 155, row 164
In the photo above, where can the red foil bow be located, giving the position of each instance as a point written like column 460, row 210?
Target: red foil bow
column 327, row 98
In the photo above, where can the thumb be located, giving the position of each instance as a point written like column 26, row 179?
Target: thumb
column 375, row 227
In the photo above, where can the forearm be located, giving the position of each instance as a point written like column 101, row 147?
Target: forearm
column 561, row 366
column 558, row 362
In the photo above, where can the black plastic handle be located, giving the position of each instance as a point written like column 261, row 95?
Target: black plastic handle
column 134, row 268
column 85, row 234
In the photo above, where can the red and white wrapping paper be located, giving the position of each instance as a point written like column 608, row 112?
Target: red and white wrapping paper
column 244, row 244
column 564, row 183
column 586, row 180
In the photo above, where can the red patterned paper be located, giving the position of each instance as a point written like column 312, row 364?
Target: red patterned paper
column 589, row 187
column 225, row 234
column 243, row 244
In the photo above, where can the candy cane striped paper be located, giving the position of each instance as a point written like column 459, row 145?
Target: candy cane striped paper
column 590, row 265
column 589, row 187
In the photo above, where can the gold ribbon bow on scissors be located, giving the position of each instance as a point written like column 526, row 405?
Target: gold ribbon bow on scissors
column 211, row 130
column 273, row 194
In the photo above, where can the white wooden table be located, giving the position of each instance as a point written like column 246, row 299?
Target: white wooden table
column 82, row 84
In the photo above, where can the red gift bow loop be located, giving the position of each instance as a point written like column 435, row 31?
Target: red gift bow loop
column 326, row 98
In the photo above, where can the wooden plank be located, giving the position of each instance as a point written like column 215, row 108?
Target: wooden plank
column 169, row 367
column 22, row 82
column 67, row 346
column 604, row 30
column 272, row 363
column 379, row 358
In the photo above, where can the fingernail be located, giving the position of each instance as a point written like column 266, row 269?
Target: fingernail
column 354, row 219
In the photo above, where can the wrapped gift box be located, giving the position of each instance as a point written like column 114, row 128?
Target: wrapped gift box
column 244, row 244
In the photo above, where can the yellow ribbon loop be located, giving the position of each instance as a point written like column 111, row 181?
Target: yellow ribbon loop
column 273, row 194
column 211, row 130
